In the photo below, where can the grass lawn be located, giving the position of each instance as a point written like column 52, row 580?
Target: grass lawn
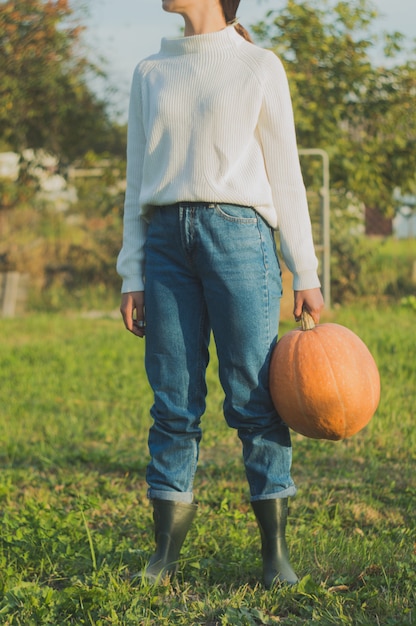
column 75, row 521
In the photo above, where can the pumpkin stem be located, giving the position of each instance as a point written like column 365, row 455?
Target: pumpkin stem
column 306, row 320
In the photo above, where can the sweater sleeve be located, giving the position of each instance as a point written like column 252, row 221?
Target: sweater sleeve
column 130, row 262
column 278, row 138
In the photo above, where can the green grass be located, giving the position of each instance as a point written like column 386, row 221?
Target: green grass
column 75, row 521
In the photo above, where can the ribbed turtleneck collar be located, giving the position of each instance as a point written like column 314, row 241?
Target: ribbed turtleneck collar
column 219, row 40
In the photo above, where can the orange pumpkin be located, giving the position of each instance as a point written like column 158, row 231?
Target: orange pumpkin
column 324, row 381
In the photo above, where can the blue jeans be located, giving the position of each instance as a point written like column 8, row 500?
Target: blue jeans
column 212, row 267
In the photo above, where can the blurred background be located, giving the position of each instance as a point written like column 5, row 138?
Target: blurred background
column 65, row 70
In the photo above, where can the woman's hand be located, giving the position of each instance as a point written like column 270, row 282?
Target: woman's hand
column 310, row 300
column 132, row 310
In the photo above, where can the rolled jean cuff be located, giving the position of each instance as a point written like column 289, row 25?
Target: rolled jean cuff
column 285, row 493
column 173, row 496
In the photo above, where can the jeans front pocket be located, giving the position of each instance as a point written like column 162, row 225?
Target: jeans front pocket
column 236, row 213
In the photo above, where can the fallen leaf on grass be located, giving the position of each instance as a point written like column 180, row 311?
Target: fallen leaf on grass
column 338, row 588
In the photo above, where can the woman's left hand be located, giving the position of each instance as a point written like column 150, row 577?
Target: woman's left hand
column 310, row 300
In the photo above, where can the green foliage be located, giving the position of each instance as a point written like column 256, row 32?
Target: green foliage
column 361, row 113
column 12, row 194
column 409, row 302
column 22, row 190
column 75, row 522
column 45, row 95
column 324, row 61
column 90, row 258
column 70, row 255
column 380, row 268
column 350, row 251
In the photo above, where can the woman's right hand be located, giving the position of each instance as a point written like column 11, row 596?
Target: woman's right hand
column 132, row 310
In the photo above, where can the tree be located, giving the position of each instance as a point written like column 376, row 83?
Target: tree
column 381, row 131
column 45, row 100
column 361, row 113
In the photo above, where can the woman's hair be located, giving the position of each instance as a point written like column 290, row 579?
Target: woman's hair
column 229, row 8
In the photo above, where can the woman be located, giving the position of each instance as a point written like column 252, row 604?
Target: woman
column 212, row 171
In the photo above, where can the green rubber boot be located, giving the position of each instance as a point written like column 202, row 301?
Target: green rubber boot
column 172, row 521
column 271, row 518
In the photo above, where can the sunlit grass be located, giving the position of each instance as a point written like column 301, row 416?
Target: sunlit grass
column 75, row 521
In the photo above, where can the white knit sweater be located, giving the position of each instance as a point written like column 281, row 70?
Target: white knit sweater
column 211, row 120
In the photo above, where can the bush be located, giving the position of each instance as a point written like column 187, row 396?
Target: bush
column 366, row 266
column 71, row 255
